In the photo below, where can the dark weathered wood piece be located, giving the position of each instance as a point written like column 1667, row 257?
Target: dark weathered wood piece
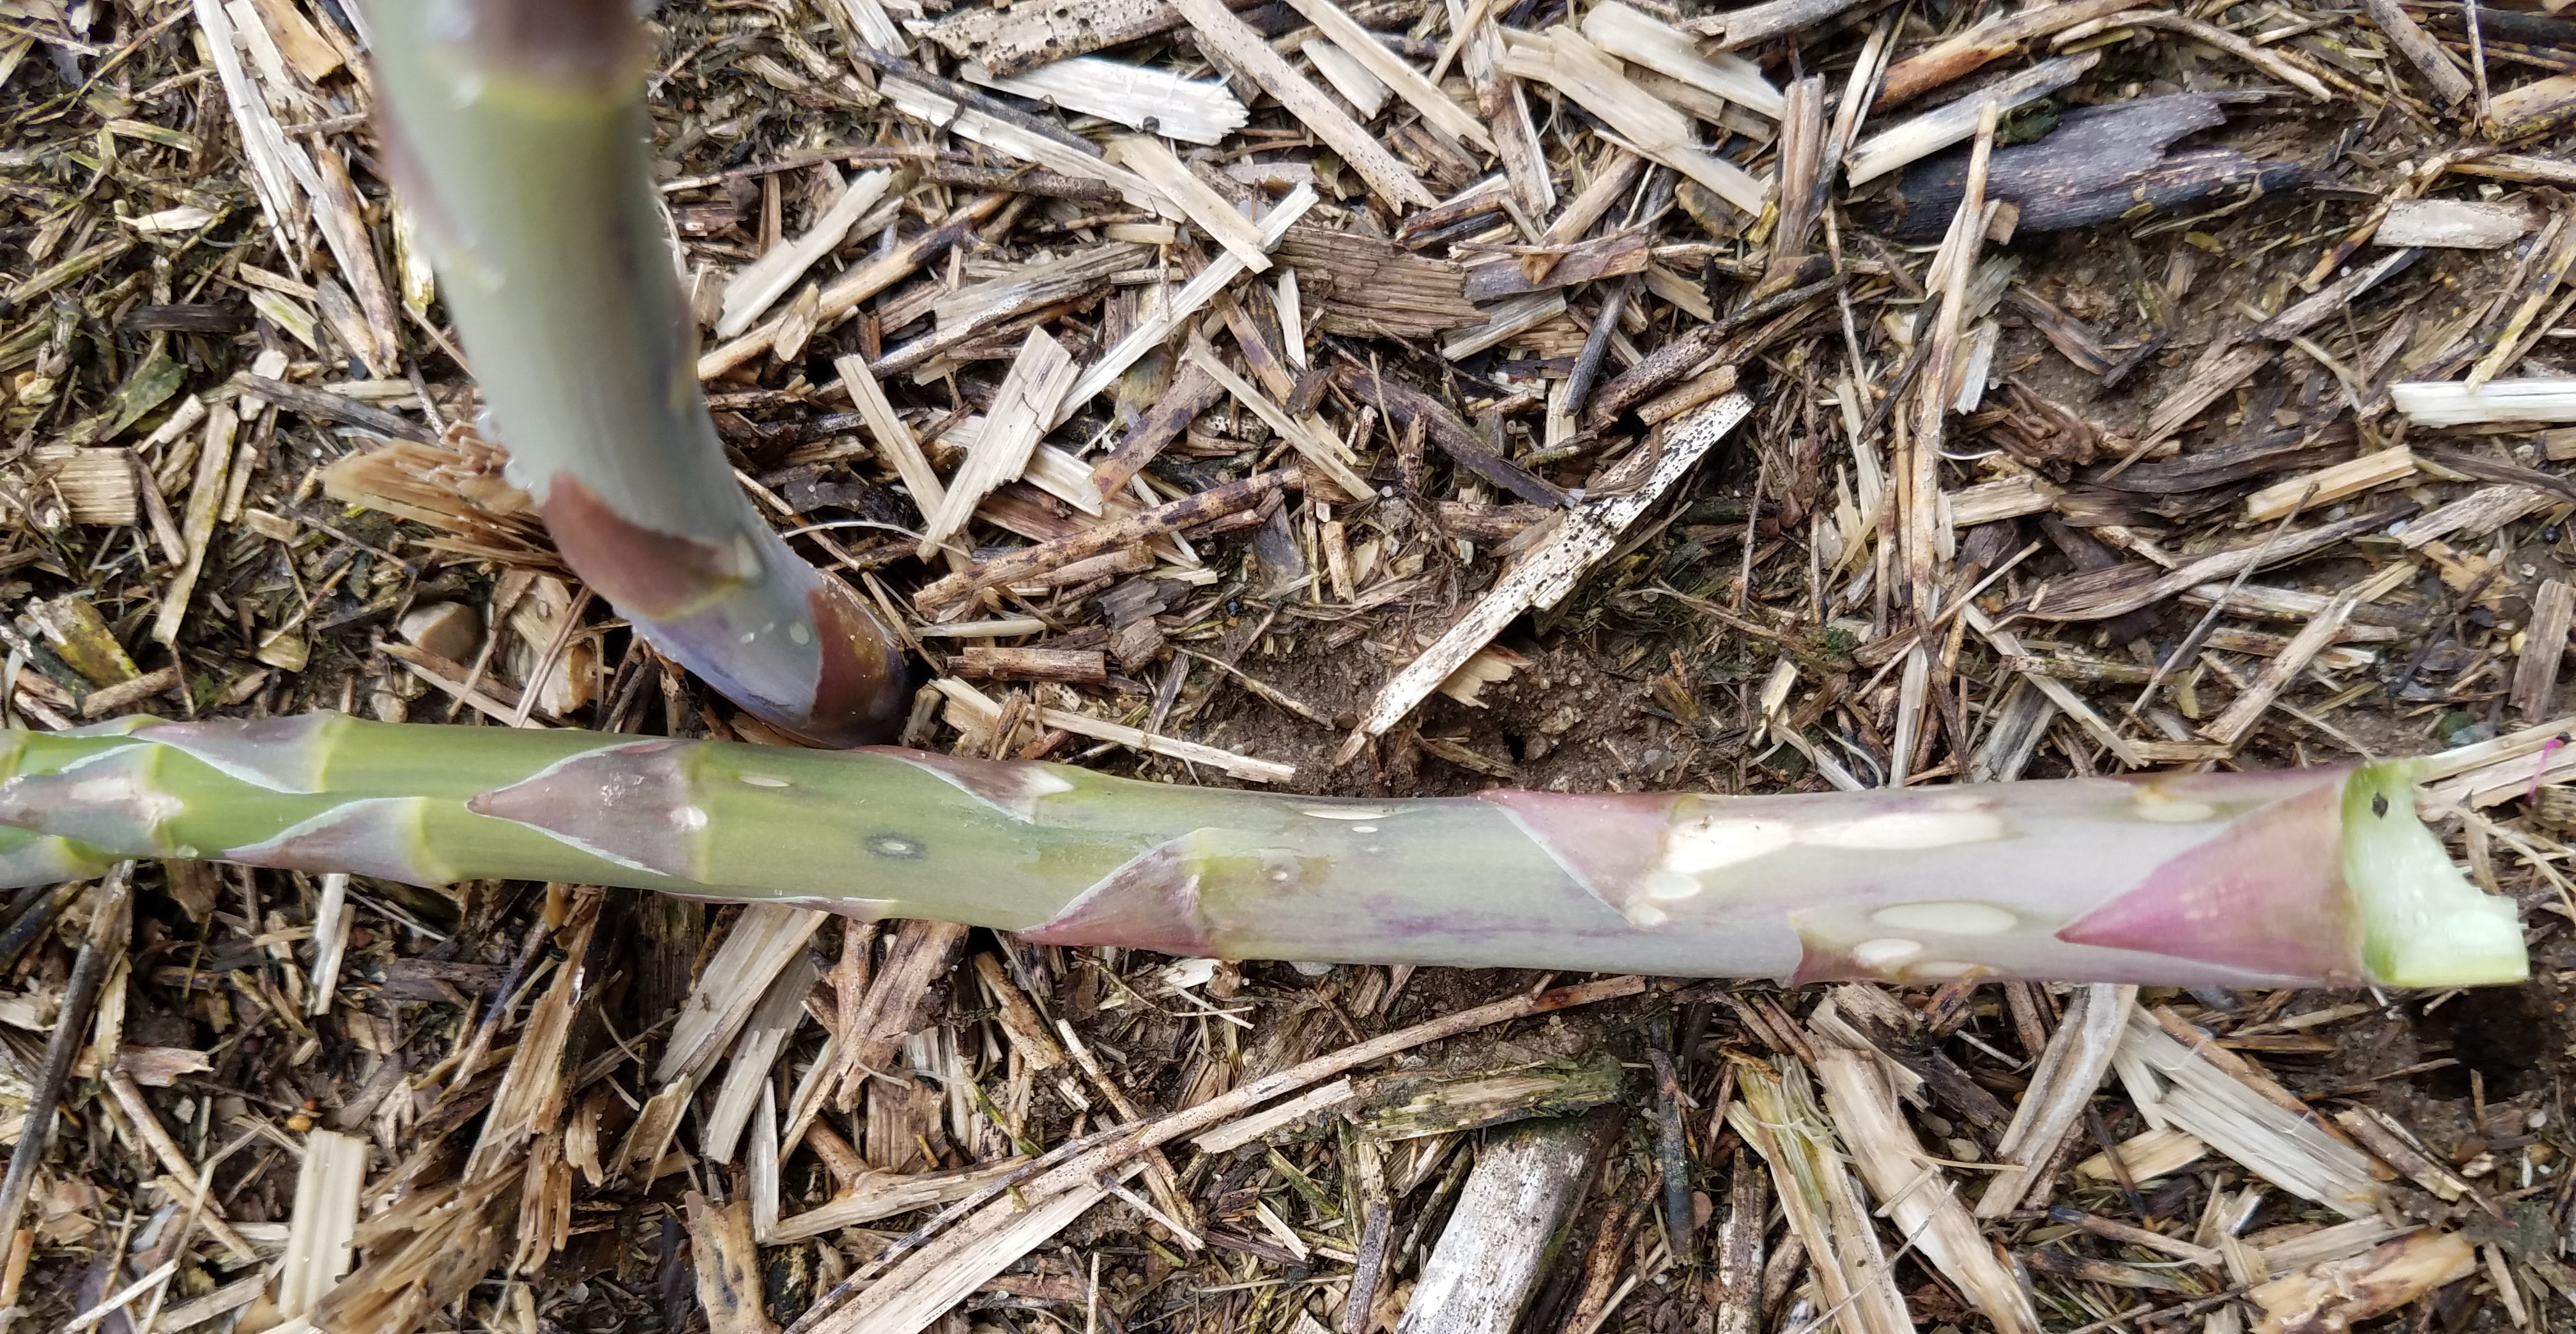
column 1677, row 358
column 2258, row 455
column 1191, row 393
column 1082, row 666
column 1405, row 405
column 2100, row 163
column 194, row 319
column 339, row 409
column 2420, row 49
column 1187, row 512
column 1588, row 261
column 2535, row 675
column 1362, row 287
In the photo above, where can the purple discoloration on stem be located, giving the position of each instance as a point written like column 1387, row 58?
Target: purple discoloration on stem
column 671, row 585
column 376, row 836
column 1607, row 844
column 595, row 42
column 280, row 754
column 860, row 692
column 1014, row 789
column 2267, row 895
column 646, row 573
column 110, row 802
column 632, row 804
column 1150, row 903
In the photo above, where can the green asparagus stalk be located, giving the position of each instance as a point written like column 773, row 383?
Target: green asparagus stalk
column 517, row 129
column 2288, row 878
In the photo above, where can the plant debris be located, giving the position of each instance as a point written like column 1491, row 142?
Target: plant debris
column 1364, row 398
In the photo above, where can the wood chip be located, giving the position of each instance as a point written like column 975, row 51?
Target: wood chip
column 1638, row 39
column 1406, row 82
column 1150, row 158
column 1933, row 131
column 1198, row 111
column 1231, row 40
column 2535, row 673
column 752, row 291
column 2455, row 224
column 1022, row 407
column 96, row 486
column 1582, row 71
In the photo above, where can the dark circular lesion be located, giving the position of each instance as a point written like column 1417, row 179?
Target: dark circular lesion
column 900, row 847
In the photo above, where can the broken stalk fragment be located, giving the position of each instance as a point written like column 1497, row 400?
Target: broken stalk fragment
column 2301, row 877
column 518, row 129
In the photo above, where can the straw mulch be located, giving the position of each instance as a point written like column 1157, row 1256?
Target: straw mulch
column 2071, row 343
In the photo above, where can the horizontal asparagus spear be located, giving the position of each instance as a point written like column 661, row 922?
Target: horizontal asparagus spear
column 2295, row 877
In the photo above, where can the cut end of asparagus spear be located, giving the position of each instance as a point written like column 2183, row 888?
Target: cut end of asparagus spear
column 2423, row 923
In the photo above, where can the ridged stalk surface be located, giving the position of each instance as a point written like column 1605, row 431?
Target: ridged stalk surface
column 517, row 128
column 2285, row 878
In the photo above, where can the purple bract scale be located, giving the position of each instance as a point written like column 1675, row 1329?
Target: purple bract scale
column 1150, row 903
column 631, row 804
column 1607, row 844
column 1012, row 788
column 281, row 754
column 377, row 836
column 2267, row 895
column 108, row 802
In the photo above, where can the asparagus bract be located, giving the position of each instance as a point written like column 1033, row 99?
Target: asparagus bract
column 2288, row 878
column 518, row 128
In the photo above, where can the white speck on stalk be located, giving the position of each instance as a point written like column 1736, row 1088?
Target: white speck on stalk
column 1670, row 885
column 2157, row 807
column 1883, row 952
column 1957, row 918
column 121, row 790
column 1907, row 831
column 1707, row 844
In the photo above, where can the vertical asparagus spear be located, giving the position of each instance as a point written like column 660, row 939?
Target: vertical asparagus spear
column 2297, row 877
column 518, row 129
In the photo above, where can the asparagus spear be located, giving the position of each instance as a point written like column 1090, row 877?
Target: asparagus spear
column 517, row 128
column 2287, row 878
